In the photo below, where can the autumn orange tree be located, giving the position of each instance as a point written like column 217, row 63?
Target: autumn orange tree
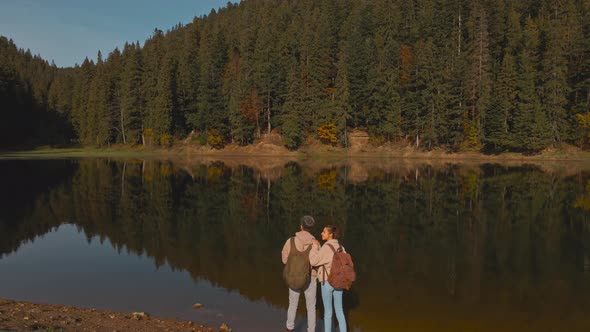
column 251, row 109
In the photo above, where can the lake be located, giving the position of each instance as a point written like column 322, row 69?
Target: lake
column 438, row 246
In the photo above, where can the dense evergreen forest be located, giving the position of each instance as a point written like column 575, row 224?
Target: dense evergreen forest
column 485, row 75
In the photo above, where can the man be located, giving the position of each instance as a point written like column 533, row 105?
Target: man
column 302, row 242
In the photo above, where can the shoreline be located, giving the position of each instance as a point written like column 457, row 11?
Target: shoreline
column 26, row 316
column 264, row 150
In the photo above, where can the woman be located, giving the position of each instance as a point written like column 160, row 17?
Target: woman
column 322, row 258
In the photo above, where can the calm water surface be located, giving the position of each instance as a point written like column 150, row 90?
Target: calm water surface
column 437, row 247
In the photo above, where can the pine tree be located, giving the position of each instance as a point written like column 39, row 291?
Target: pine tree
column 291, row 119
column 500, row 115
column 581, row 78
column 189, row 71
column 152, row 54
column 266, row 69
column 359, row 32
column 419, row 96
column 453, row 65
column 131, row 95
column 243, row 110
column 385, row 107
column 97, row 120
column 531, row 126
column 555, row 88
column 322, row 67
column 385, row 102
column 114, row 68
column 478, row 80
column 341, row 105
column 80, row 102
column 212, row 107
column 165, row 103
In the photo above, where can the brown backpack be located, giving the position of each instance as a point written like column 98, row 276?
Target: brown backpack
column 342, row 274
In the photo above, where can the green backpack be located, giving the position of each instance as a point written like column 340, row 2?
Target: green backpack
column 297, row 271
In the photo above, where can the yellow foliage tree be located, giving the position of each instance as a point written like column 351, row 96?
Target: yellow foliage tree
column 584, row 122
column 327, row 133
column 327, row 180
column 165, row 139
column 213, row 174
column 165, row 170
column 583, row 201
column 214, row 138
column 148, row 136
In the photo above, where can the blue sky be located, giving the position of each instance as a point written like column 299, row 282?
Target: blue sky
column 67, row 31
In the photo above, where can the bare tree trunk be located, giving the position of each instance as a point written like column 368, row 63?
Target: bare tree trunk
column 123, row 180
column 459, row 46
column 268, row 198
column 345, row 133
column 123, row 126
column 258, row 131
column 257, row 185
column 142, row 170
column 268, row 111
column 142, row 137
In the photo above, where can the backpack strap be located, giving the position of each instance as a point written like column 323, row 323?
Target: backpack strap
column 294, row 249
column 333, row 249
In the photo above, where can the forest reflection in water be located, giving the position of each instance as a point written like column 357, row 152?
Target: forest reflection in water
column 445, row 247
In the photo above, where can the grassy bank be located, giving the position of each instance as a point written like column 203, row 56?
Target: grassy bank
column 310, row 152
column 51, row 153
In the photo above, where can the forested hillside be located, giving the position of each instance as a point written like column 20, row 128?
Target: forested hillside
column 31, row 97
column 485, row 75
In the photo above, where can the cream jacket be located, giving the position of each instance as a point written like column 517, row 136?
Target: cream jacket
column 303, row 239
column 322, row 258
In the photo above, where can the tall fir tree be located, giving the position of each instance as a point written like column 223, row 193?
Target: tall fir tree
column 291, row 114
column 581, row 78
column 132, row 102
column 161, row 120
column 212, row 107
column 189, row 71
column 555, row 89
column 98, row 119
column 153, row 52
column 478, row 75
column 531, row 125
column 341, row 105
column 500, row 116
column 80, row 100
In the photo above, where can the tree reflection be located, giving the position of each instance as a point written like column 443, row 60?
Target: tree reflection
column 428, row 241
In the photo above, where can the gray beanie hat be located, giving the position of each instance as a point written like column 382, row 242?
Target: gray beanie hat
column 307, row 221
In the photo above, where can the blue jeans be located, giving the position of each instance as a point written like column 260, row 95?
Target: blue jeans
column 328, row 292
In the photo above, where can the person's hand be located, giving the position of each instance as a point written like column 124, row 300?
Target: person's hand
column 315, row 242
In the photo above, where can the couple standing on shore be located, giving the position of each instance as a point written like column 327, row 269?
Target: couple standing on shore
column 299, row 254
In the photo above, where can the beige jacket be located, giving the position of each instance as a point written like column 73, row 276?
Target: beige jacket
column 322, row 258
column 303, row 239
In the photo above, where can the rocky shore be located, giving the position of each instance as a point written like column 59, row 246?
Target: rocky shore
column 24, row 316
